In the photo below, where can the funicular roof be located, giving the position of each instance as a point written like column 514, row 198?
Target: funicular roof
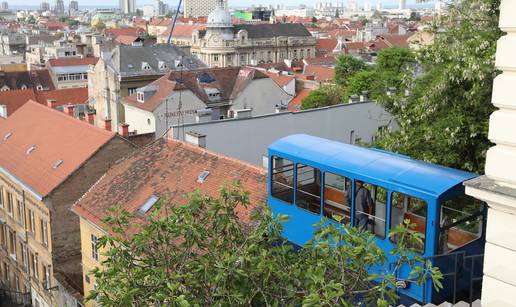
column 380, row 165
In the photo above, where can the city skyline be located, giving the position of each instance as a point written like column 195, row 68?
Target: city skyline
column 232, row 3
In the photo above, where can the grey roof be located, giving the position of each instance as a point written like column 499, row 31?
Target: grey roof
column 273, row 30
column 127, row 60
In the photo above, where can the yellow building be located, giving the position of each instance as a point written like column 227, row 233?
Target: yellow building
column 165, row 169
column 47, row 161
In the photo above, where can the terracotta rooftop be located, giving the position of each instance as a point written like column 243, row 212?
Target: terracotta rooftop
column 64, row 96
column 320, row 73
column 324, row 46
column 73, row 61
column 295, row 104
column 60, row 143
column 124, row 31
column 26, row 79
column 169, row 169
column 14, row 100
column 280, row 79
column 184, row 30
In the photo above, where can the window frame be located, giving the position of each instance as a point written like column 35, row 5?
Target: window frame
column 323, row 198
column 94, row 250
column 293, row 187
column 374, row 197
column 391, row 198
column 296, row 188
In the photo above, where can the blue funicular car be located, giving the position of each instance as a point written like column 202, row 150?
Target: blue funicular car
column 311, row 177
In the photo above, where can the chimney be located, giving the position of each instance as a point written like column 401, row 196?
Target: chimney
column 69, row 110
column 124, row 129
column 51, row 103
column 354, row 99
column 195, row 138
column 310, row 77
column 364, row 97
column 90, row 118
column 107, row 124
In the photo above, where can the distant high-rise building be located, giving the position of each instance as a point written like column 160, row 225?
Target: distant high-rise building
column 403, row 4
column 196, row 8
column 59, row 7
column 367, row 6
column 352, row 5
column 4, row 6
column 159, row 8
column 74, row 6
column 127, row 6
column 44, row 6
column 379, row 6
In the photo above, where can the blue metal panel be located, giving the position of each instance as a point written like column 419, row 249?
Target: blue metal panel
column 396, row 173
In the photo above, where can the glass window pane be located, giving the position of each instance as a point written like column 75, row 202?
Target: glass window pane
column 406, row 207
column 370, row 208
column 308, row 195
column 337, row 197
column 282, row 179
column 461, row 222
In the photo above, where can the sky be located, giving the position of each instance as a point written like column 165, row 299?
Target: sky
column 114, row 3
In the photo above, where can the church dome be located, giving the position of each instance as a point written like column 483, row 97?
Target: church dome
column 219, row 18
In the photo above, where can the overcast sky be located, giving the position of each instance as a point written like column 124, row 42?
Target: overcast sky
column 175, row 2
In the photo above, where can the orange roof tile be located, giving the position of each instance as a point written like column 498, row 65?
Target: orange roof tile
column 14, row 100
column 169, row 169
column 73, row 61
column 295, row 104
column 324, row 46
column 184, row 30
column 321, row 73
column 280, row 80
column 55, row 137
column 64, row 96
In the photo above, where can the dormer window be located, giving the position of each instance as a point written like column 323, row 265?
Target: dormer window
column 146, row 66
column 5, row 88
column 23, row 87
column 39, row 87
column 140, row 97
column 162, row 65
column 178, row 63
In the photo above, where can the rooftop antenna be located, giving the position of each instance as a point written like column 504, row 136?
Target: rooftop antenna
column 174, row 22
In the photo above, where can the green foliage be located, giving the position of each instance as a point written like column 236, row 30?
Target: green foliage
column 326, row 96
column 395, row 60
column 100, row 26
column 345, row 67
column 444, row 120
column 202, row 254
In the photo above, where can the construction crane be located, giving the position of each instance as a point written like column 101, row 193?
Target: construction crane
column 174, row 22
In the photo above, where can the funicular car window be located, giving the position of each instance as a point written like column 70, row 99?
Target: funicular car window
column 308, row 192
column 461, row 222
column 282, row 186
column 406, row 207
column 370, row 208
column 337, row 197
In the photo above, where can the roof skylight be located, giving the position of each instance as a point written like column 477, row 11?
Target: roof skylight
column 202, row 176
column 57, row 164
column 30, row 150
column 7, row 136
column 148, row 204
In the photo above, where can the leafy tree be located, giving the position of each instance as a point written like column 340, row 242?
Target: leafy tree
column 444, row 119
column 326, row 96
column 395, row 60
column 415, row 16
column 201, row 254
column 100, row 26
column 337, row 14
column 346, row 66
column 73, row 23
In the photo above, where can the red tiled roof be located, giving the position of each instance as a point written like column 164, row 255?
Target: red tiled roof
column 341, row 33
column 73, row 61
column 16, row 99
column 56, row 137
column 324, row 46
column 184, row 30
column 280, row 80
column 295, row 104
column 124, row 31
column 321, row 73
column 169, row 169
column 30, row 79
column 394, row 40
column 126, row 39
column 62, row 97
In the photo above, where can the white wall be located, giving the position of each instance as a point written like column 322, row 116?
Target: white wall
column 141, row 121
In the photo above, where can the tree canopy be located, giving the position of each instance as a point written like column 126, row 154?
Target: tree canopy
column 201, row 253
column 323, row 97
column 444, row 117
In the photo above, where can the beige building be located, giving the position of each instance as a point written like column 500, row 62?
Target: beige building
column 119, row 72
column 48, row 160
column 498, row 186
column 223, row 44
column 197, row 8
